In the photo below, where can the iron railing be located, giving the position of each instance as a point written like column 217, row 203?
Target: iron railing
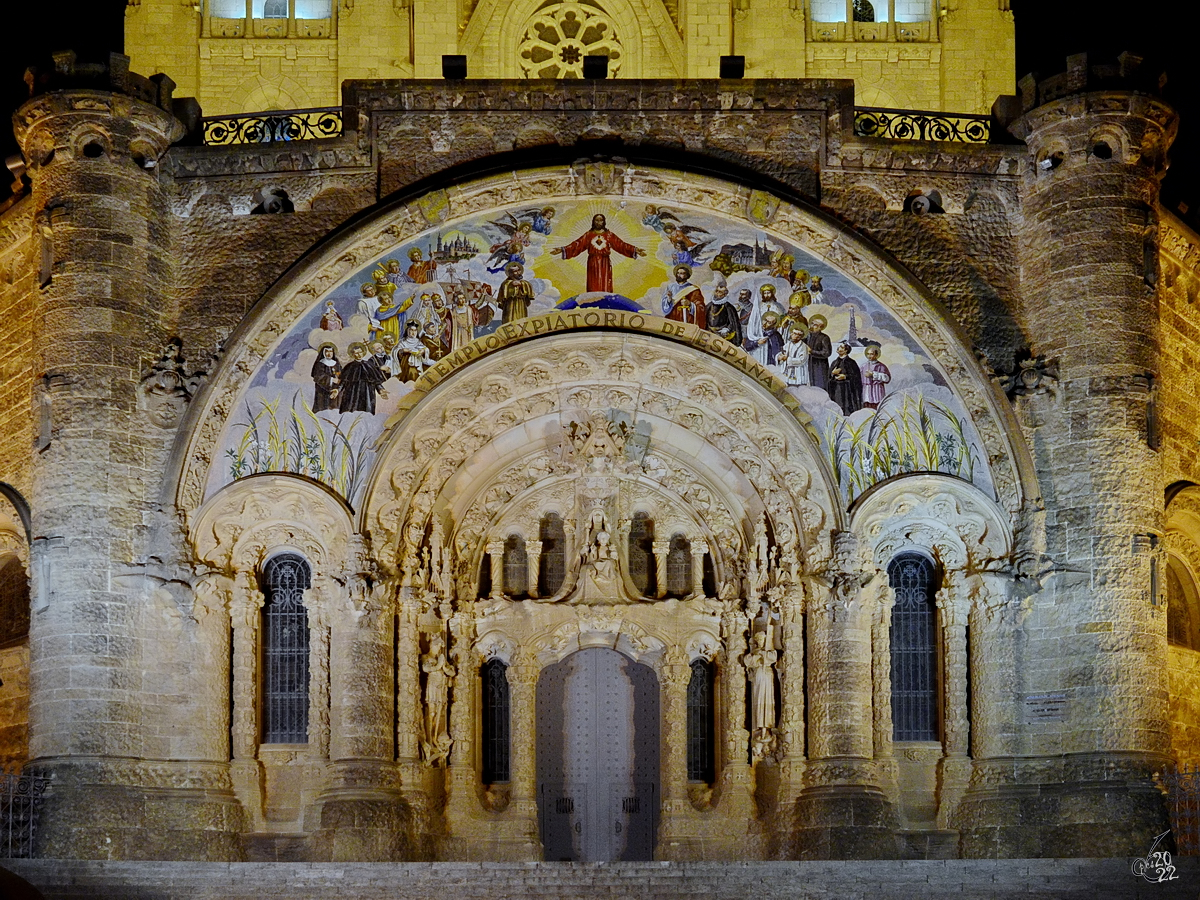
column 273, row 127
column 20, row 799
column 917, row 125
column 1182, row 788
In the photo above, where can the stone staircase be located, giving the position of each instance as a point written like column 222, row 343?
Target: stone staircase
column 1052, row 879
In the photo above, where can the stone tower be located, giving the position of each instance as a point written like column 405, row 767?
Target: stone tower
column 1097, row 146
column 92, row 137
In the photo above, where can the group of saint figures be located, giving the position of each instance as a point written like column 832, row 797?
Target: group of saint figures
column 409, row 330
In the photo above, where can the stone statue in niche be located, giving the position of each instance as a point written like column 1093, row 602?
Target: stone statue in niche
column 435, row 744
column 760, row 669
column 598, row 581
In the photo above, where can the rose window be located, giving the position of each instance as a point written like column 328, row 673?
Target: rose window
column 560, row 35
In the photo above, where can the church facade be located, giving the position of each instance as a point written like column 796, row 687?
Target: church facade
column 597, row 470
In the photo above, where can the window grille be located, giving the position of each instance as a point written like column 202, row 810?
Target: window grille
column 516, row 566
column 552, row 567
column 641, row 559
column 14, row 601
column 495, row 722
column 914, row 649
column 285, row 651
column 700, row 729
column 679, row 567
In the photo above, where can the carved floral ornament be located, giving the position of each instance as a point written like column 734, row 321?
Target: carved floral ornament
column 484, row 456
column 316, row 277
column 252, row 519
column 942, row 517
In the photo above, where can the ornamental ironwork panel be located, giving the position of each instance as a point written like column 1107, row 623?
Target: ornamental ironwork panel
column 700, row 736
column 20, row 800
column 285, row 651
column 914, row 649
column 1182, row 787
column 915, row 125
column 273, row 127
column 496, row 736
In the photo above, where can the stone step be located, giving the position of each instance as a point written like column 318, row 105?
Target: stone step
column 1044, row 879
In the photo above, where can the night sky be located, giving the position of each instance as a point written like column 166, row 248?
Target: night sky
column 1047, row 31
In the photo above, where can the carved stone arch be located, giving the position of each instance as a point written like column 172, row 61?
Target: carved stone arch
column 704, row 645
column 1181, row 534
column 255, row 518
column 479, row 473
column 946, row 518
column 1002, row 455
column 598, row 629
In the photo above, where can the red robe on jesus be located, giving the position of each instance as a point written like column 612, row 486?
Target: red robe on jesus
column 599, row 244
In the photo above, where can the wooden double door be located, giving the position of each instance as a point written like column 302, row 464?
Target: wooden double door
column 598, row 757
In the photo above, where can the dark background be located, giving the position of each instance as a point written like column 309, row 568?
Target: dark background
column 1047, row 31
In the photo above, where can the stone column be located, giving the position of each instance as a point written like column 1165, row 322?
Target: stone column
column 955, row 767
column 317, row 603
column 842, row 790
column 952, row 614
column 495, row 551
column 736, row 781
column 362, row 816
column 699, row 551
column 522, row 688
column 408, row 684
column 661, row 549
column 791, row 731
column 881, row 664
column 676, row 824
column 245, row 615
column 533, row 560
column 1088, row 249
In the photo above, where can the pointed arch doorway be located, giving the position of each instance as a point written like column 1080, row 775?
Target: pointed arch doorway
column 598, row 757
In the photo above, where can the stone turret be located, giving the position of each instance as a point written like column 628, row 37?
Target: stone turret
column 1094, row 636
column 92, row 137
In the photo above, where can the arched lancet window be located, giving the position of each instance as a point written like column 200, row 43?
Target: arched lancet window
column 1182, row 626
column 14, row 601
column 915, row 680
column 285, row 650
column 553, row 565
column 641, row 554
column 701, row 728
column 516, row 566
column 496, row 741
column 679, row 567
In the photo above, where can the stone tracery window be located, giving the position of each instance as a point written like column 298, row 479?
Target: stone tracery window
column 285, row 650
column 914, row 650
column 701, row 733
column 679, row 567
column 641, row 559
column 1182, row 625
column 552, row 568
column 561, row 34
column 516, row 566
column 496, row 736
